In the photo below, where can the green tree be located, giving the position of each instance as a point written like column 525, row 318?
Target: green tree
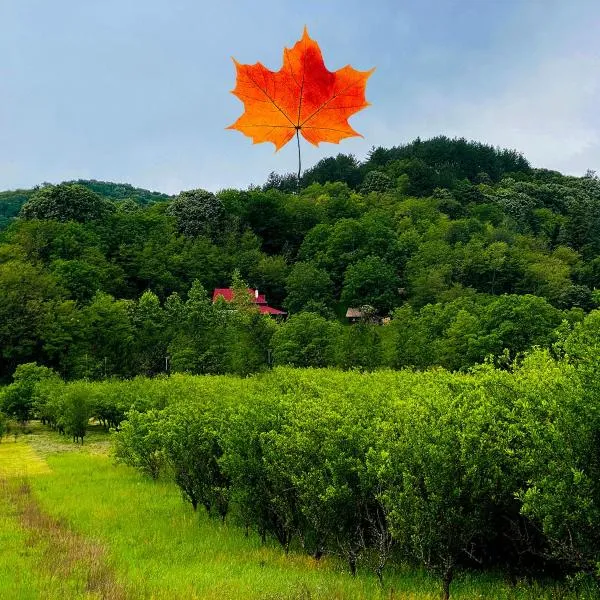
column 108, row 339
column 264, row 494
column 19, row 398
column 264, row 213
column 562, row 495
column 269, row 276
column 150, row 324
column 248, row 332
column 376, row 181
column 66, row 202
column 360, row 345
column 306, row 340
column 198, row 212
column 191, row 439
column 516, row 323
column 81, row 279
column 26, row 290
column 371, row 281
column 342, row 168
column 138, row 442
column 77, row 410
column 3, row 425
column 444, row 473
column 307, row 284
column 196, row 345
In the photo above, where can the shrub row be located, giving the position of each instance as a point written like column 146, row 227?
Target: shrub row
column 493, row 468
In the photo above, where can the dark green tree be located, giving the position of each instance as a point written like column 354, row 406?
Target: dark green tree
column 26, row 291
column 371, row 281
column 67, row 202
column 376, row 181
column 307, row 284
column 198, row 212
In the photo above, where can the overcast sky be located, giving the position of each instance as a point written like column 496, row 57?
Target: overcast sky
column 137, row 91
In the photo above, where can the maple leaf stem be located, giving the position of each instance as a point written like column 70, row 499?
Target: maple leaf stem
column 299, row 157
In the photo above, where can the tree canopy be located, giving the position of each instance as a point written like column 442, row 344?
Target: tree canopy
column 467, row 249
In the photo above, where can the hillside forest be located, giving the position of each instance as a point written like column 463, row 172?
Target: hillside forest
column 464, row 250
column 453, row 425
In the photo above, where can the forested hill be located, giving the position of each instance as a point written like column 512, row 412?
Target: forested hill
column 12, row 200
column 469, row 250
column 438, row 162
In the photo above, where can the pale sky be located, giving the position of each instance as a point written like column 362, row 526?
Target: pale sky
column 137, row 91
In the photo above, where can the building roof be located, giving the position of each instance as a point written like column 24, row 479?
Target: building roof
column 269, row 310
column 227, row 294
column 353, row 313
column 259, row 299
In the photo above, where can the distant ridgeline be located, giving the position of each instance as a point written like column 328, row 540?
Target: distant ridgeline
column 11, row 201
column 440, row 162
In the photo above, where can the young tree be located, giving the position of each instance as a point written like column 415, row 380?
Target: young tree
column 138, row 443
column 3, row 425
column 19, row 398
column 444, row 471
column 191, row 440
column 77, row 410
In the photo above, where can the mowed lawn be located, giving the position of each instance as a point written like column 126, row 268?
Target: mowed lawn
column 75, row 525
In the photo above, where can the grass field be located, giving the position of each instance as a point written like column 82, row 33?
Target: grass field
column 75, row 525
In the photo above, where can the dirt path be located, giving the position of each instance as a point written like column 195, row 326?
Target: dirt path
column 65, row 555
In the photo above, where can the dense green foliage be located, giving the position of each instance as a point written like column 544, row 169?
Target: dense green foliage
column 494, row 468
column 12, row 201
column 122, row 535
column 420, row 450
column 466, row 248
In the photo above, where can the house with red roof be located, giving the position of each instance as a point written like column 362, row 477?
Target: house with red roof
column 258, row 299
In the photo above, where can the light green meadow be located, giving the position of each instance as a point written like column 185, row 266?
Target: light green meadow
column 75, row 525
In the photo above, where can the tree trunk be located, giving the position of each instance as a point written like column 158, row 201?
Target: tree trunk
column 379, row 573
column 352, row 563
column 446, row 581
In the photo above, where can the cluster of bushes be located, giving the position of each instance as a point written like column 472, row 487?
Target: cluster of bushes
column 494, row 468
column 37, row 392
column 491, row 469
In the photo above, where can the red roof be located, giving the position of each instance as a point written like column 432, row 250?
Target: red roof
column 227, row 295
column 268, row 310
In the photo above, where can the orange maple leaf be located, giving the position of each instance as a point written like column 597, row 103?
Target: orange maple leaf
column 302, row 97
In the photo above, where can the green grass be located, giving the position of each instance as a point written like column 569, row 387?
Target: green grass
column 147, row 543
column 19, row 575
column 19, row 459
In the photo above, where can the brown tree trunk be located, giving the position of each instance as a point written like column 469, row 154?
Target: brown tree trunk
column 446, row 581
